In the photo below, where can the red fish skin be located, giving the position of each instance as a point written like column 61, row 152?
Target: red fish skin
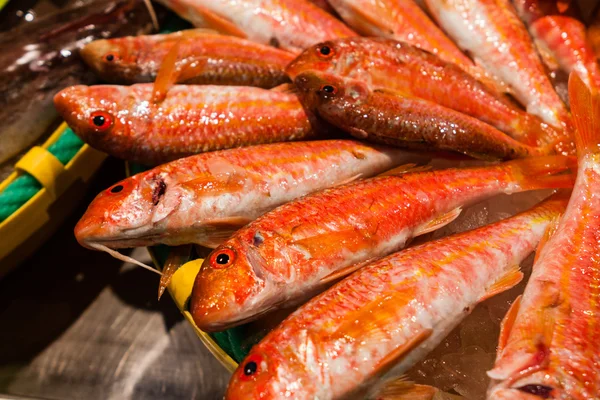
column 204, row 198
column 493, row 33
column 261, row 20
column 554, row 339
column 353, row 326
column 192, row 119
column 204, row 58
column 391, row 65
column 404, row 121
column 283, row 256
column 561, row 36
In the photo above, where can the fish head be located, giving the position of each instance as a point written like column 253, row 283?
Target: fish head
column 93, row 112
column 125, row 213
column 269, row 372
column 319, row 88
column 225, row 285
column 110, row 60
column 339, row 57
column 241, row 278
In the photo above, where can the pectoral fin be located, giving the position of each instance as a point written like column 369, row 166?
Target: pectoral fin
column 507, row 323
column 167, row 74
column 438, row 222
column 505, row 282
column 367, row 24
column 401, row 351
column 214, row 21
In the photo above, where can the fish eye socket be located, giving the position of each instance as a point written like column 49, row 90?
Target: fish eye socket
column 325, row 51
column 101, row 120
column 250, row 368
column 538, row 390
column 222, row 258
column 110, row 57
column 116, row 189
column 328, row 90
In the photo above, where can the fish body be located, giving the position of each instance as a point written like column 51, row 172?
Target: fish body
column 204, row 58
column 403, row 120
column 492, row 32
column 297, row 249
column 392, row 312
column 550, row 340
column 394, row 66
column 560, row 38
column 288, row 24
column 400, row 20
column 41, row 58
column 203, row 199
column 125, row 122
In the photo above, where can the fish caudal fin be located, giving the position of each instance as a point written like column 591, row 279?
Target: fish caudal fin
column 546, row 172
column 585, row 106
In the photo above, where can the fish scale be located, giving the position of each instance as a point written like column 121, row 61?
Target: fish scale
column 357, row 327
column 310, row 242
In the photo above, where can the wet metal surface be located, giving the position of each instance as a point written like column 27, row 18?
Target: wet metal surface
column 78, row 324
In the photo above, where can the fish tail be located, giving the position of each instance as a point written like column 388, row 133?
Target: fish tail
column 546, row 172
column 585, row 106
column 402, row 389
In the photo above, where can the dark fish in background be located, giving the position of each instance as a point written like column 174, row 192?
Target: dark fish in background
column 41, row 58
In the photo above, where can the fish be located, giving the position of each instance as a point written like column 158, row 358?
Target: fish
column 203, row 199
column 561, row 38
column 404, row 121
column 41, row 58
column 296, row 250
column 548, row 346
column 405, row 21
column 394, row 66
column 290, row 25
column 126, row 123
column 204, row 58
column 493, row 34
column 387, row 316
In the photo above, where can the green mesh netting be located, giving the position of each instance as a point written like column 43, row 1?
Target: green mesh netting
column 26, row 186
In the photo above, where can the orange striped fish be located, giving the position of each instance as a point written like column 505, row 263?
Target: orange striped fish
column 550, row 339
column 125, row 122
column 204, row 58
column 390, row 314
column 291, row 25
column 299, row 248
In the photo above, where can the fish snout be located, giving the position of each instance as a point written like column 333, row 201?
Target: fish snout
column 94, row 53
column 89, row 229
column 68, row 105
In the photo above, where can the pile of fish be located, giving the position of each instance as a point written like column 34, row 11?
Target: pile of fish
column 308, row 158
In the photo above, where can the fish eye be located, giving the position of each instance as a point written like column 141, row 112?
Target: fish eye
column 110, row 57
column 250, row 368
column 328, row 91
column 116, row 189
column 538, row 390
column 222, row 258
column 325, row 51
column 101, row 120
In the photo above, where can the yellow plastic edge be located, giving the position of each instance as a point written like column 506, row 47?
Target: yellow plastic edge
column 34, row 214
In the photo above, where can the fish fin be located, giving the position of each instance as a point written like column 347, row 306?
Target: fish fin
column 194, row 32
column 167, row 74
column 218, row 23
column 289, row 88
column 548, row 233
column 585, row 106
column 330, row 241
column 178, row 256
column 563, row 5
column 392, row 92
column 544, row 172
column 510, row 279
column 367, row 24
column 439, row 222
column 405, row 169
column 507, row 323
column 221, row 229
column 350, row 180
column 357, row 132
column 152, row 13
column 402, row 389
column 401, row 351
column 340, row 273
